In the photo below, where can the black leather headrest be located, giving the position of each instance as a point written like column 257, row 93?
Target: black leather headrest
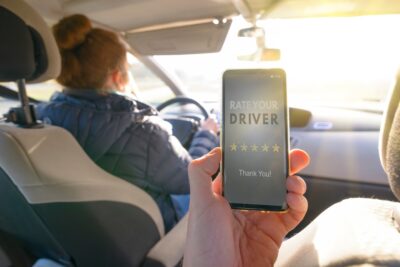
column 40, row 55
column 22, row 50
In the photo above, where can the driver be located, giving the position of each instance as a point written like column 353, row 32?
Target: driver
column 122, row 135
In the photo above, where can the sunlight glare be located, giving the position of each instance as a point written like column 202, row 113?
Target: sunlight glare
column 326, row 59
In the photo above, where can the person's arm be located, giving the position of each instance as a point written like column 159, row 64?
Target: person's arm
column 205, row 139
column 167, row 161
column 220, row 236
column 203, row 142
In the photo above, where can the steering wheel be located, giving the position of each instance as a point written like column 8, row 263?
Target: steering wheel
column 184, row 126
column 184, row 100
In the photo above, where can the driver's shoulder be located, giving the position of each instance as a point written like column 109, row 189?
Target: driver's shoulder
column 151, row 126
column 157, row 124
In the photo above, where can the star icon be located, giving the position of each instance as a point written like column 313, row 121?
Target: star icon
column 265, row 147
column 244, row 147
column 275, row 148
column 234, row 147
column 254, row 148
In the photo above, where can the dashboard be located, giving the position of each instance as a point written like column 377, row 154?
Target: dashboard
column 343, row 148
column 342, row 142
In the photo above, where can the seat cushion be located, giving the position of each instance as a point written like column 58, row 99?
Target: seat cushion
column 353, row 232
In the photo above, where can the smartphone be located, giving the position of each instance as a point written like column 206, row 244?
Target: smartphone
column 255, row 161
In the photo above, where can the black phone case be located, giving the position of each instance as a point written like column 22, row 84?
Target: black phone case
column 246, row 206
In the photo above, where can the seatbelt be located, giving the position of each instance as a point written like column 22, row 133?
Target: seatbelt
column 13, row 95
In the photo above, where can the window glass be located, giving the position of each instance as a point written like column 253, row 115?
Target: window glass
column 147, row 85
column 341, row 61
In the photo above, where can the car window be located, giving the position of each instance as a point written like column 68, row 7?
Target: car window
column 328, row 61
column 39, row 91
column 146, row 85
column 5, row 105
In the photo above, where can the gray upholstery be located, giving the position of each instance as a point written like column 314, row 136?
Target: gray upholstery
column 48, row 165
column 61, row 183
column 97, row 219
column 389, row 146
column 357, row 232
column 174, row 240
column 393, row 155
column 354, row 232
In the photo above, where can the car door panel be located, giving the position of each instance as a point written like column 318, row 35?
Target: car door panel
column 344, row 159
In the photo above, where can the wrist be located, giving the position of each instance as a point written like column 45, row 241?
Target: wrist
column 211, row 131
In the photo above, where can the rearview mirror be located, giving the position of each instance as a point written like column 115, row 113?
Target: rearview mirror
column 253, row 32
column 256, row 35
column 270, row 54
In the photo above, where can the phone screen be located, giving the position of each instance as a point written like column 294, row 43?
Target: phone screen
column 255, row 139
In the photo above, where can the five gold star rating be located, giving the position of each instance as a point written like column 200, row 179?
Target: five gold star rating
column 254, row 148
column 243, row 147
column 234, row 147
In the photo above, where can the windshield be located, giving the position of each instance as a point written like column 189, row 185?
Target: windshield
column 330, row 61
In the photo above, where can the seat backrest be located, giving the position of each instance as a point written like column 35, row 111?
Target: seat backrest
column 19, row 220
column 53, row 198
column 389, row 145
column 358, row 231
column 96, row 218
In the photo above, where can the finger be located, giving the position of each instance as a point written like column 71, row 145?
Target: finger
column 296, row 184
column 200, row 172
column 212, row 115
column 298, row 205
column 217, row 185
column 298, row 159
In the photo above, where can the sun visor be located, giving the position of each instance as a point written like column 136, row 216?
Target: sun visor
column 205, row 37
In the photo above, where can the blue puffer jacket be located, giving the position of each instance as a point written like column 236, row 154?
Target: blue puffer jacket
column 126, row 138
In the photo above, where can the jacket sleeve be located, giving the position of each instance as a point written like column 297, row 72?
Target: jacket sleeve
column 203, row 142
column 168, row 160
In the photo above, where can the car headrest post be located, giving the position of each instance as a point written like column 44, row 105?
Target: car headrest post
column 23, row 97
column 24, row 115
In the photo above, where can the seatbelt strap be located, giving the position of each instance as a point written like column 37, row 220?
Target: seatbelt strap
column 13, row 95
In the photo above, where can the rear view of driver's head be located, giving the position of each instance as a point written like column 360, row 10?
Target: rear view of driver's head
column 92, row 58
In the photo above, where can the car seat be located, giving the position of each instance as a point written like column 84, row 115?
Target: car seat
column 357, row 231
column 54, row 201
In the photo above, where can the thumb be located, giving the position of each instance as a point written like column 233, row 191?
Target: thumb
column 299, row 159
column 200, row 172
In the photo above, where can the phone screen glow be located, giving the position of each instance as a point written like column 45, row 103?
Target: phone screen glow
column 255, row 138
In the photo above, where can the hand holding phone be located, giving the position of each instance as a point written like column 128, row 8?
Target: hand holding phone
column 216, row 233
column 255, row 139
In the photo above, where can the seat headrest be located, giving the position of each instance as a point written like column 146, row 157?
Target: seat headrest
column 389, row 143
column 43, row 62
column 16, row 48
